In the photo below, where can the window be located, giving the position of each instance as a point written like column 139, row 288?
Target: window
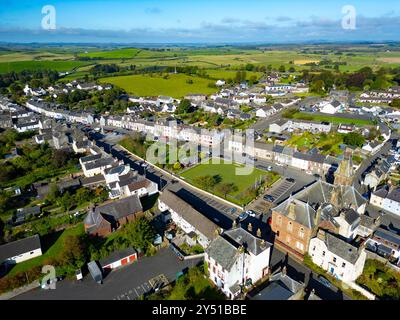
column 301, row 233
column 214, row 269
column 334, row 259
column 313, row 249
column 279, row 220
column 343, row 265
column 323, row 253
column 300, row 246
column 32, row 252
column 277, row 234
column 290, row 226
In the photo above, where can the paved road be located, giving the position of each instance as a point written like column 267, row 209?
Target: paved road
column 127, row 283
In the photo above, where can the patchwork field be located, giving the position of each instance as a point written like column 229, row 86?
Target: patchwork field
column 176, row 85
column 230, row 74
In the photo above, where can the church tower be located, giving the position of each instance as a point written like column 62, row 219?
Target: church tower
column 344, row 175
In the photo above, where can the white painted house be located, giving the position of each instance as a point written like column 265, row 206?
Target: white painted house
column 339, row 258
column 20, row 250
column 235, row 258
column 386, row 199
column 188, row 218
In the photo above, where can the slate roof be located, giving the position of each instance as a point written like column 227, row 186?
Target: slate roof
column 99, row 163
column 390, row 236
column 189, row 214
column 223, row 252
column 121, row 208
column 280, row 287
column 252, row 244
column 18, row 247
column 91, row 158
column 341, row 248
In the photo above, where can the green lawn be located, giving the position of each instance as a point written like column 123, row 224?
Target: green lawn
column 227, row 173
column 56, row 242
column 332, row 119
column 18, row 66
column 176, row 85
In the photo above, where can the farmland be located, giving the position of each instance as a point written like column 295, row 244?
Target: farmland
column 174, row 85
column 17, row 66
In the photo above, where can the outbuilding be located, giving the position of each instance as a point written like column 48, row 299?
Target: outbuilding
column 20, row 250
column 118, row 259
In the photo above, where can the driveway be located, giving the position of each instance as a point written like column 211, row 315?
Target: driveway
column 127, row 283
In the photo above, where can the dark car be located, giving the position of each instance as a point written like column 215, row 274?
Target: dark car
column 325, row 282
column 269, row 198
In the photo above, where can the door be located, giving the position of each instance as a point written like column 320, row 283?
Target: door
column 124, row 261
column 132, row 258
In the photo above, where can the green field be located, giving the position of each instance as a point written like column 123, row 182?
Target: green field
column 332, row 119
column 230, row 74
column 227, row 174
column 175, row 86
column 112, row 54
column 57, row 241
column 18, row 66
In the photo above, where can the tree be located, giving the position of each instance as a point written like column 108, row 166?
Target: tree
column 292, row 69
column 139, row 234
column 396, row 103
column 74, row 251
column 226, row 188
column 282, row 68
column 60, row 158
column 184, row 107
column 354, row 139
column 318, row 87
column 206, row 182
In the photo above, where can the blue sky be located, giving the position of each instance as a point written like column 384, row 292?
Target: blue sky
column 193, row 21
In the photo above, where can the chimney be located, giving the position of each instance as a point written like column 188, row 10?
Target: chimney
column 234, row 224
column 321, row 235
column 250, row 227
column 292, row 210
column 259, row 233
column 284, row 270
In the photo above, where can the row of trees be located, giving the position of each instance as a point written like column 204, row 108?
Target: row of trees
column 214, row 183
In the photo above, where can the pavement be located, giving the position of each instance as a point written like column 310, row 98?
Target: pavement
column 126, row 283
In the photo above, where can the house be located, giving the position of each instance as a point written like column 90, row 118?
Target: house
column 368, row 225
column 104, row 219
column 377, row 174
column 385, row 243
column 265, row 112
column 346, row 128
column 236, row 259
column 96, row 167
column 387, row 199
column 26, row 213
column 118, row 259
column 279, row 126
column 188, row 218
column 21, row 250
column 196, row 98
column 321, row 204
column 372, row 147
column 331, row 107
column 339, row 258
column 281, row 287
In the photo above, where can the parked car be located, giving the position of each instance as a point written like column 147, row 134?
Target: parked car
column 232, row 210
column 243, row 216
column 269, row 168
column 269, row 198
column 269, row 220
column 251, row 213
column 325, row 282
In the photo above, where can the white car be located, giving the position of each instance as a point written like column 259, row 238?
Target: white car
column 251, row 213
column 269, row 168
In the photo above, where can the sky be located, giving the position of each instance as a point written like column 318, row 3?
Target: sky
column 199, row 21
